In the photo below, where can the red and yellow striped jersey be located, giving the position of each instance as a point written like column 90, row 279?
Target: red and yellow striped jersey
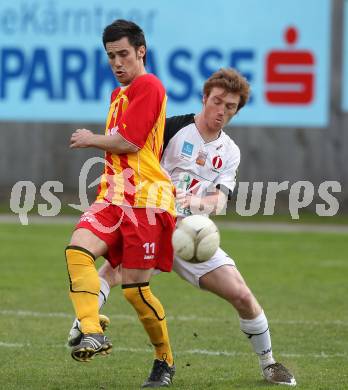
column 137, row 112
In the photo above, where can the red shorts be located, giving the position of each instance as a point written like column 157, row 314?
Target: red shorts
column 136, row 237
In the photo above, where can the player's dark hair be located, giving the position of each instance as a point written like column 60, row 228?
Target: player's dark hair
column 121, row 28
column 231, row 81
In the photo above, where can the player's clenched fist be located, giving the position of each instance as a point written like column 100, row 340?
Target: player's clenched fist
column 81, row 138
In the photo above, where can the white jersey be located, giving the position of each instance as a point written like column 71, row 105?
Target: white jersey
column 195, row 165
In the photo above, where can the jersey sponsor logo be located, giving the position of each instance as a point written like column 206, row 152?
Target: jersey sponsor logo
column 217, row 163
column 194, row 185
column 201, row 158
column 187, row 149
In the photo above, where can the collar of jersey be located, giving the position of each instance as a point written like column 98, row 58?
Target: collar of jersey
column 210, row 142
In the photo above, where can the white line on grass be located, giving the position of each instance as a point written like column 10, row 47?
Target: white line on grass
column 205, row 352
column 11, row 345
column 131, row 318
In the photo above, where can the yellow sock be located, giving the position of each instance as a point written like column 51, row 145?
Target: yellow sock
column 84, row 288
column 151, row 314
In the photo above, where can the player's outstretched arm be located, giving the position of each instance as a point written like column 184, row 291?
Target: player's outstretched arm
column 83, row 138
column 209, row 204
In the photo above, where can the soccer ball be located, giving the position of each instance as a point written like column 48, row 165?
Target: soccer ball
column 196, row 239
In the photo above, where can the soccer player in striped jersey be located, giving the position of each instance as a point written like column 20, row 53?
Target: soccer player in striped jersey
column 202, row 161
column 133, row 217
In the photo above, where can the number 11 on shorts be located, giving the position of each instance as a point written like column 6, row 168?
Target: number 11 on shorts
column 149, row 250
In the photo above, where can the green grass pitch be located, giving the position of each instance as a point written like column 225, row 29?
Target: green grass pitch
column 301, row 279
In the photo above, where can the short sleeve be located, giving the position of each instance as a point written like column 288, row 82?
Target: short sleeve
column 146, row 98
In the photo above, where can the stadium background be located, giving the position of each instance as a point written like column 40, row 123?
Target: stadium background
column 54, row 79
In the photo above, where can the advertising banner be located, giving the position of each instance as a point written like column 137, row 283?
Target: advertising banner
column 53, row 66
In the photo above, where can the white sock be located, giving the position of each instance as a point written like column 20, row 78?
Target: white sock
column 104, row 292
column 258, row 333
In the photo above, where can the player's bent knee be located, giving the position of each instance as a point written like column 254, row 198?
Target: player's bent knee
column 88, row 240
column 83, row 275
column 243, row 300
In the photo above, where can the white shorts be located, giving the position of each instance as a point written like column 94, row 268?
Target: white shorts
column 192, row 272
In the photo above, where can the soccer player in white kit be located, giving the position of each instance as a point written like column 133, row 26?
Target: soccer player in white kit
column 202, row 161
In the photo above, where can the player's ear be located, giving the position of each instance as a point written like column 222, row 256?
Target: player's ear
column 204, row 99
column 141, row 52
